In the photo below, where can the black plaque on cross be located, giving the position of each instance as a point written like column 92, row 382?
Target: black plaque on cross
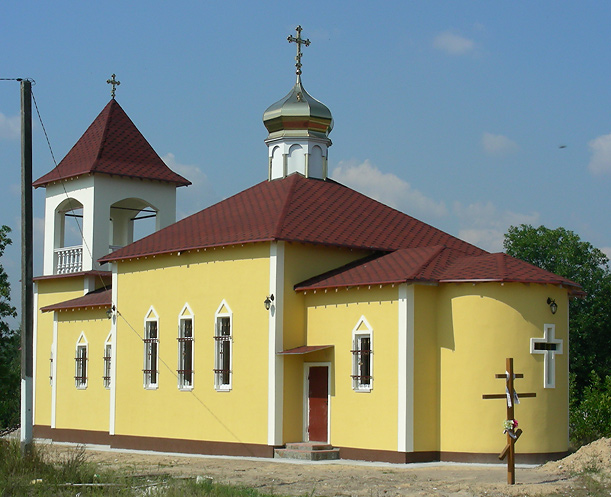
column 510, row 429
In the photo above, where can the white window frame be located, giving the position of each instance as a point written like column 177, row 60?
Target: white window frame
column 223, row 344
column 362, row 382
column 185, row 375
column 151, row 345
column 81, row 358
column 107, row 362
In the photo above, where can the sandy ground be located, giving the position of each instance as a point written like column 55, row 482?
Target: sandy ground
column 353, row 478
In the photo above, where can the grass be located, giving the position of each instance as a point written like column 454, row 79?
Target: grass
column 39, row 474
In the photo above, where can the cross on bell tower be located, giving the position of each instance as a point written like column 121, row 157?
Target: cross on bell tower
column 299, row 41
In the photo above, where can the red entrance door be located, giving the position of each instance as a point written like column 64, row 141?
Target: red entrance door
column 318, row 403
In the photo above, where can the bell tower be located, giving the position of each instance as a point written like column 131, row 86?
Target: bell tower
column 110, row 179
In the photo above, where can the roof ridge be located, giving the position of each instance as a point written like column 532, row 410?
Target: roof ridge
column 502, row 265
column 104, row 135
column 281, row 218
column 438, row 249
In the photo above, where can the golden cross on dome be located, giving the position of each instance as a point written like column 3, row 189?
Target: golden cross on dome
column 299, row 41
column 112, row 81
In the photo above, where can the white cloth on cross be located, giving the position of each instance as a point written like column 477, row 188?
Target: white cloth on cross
column 510, row 401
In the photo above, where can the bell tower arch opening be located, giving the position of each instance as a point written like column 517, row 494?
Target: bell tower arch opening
column 68, row 237
column 130, row 220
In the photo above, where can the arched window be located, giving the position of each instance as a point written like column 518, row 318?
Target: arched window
column 80, row 362
column 362, row 356
column 223, row 347
column 185, row 348
column 107, row 361
column 151, row 349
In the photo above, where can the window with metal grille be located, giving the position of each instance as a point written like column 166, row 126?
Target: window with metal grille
column 80, row 376
column 107, row 364
column 361, row 362
column 223, row 359
column 185, row 353
column 151, row 350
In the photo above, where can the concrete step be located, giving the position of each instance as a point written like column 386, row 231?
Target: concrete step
column 308, row 451
column 308, row 446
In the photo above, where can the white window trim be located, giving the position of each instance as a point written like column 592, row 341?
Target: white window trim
column 151, row 316
column 356, row 334
column 186, row 313
column 223, row 387
column 80, row 343
column 107, row 361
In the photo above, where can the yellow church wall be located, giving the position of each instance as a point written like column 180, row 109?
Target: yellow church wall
column 82, row 408
column 426, row 369
column 479, row 327
column 50, row 291
column 331, row 318
column 239, row 276
column 302, row 261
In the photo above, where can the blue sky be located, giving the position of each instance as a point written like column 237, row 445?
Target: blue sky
column 454, row 112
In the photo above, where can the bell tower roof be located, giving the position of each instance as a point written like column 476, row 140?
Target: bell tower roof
column 112, row 145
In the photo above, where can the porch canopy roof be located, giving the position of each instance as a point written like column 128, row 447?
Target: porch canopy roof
column 305, row 349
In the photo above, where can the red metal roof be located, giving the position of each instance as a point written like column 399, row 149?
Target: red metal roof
column 112, row 145
column 97, row 298
column 502, row 268
column 296, row 209
column 414, row 264
column 435, row 264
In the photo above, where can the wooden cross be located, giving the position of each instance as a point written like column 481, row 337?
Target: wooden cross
column 112, row 81
column 512, row 434
column 299, row 41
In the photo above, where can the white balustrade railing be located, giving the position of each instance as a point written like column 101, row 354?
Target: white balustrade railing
column 68, row 260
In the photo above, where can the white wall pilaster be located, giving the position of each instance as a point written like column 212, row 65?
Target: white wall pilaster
column 54, row 371
column 113, row 341
column 276, row 362
column 405, row 428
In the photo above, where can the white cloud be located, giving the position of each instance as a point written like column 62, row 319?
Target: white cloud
column 453, row 44
column 498, row 144
column 600, row 162
column 199, row 195
column 10, row 127
column 606, row 251
column 387, row 188
column 483, row 225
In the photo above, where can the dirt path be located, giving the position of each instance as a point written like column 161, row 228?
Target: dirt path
column 345, row 478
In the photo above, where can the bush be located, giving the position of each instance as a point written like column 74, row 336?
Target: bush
column 590, row 411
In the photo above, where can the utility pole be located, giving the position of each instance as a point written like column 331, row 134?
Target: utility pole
column 27, row 270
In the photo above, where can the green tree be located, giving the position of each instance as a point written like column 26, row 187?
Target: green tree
column 10, row 357
column 562, row 252
column 590, row 414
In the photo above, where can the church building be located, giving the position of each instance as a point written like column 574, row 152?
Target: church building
column 297, row 311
